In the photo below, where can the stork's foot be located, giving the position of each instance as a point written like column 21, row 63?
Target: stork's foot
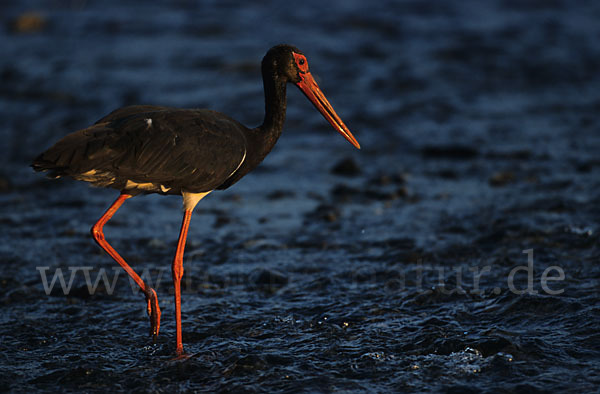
column 179, row 351
column 181, row 357
column 153, row 312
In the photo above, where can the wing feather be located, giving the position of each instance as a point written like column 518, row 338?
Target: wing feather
column 191, row 150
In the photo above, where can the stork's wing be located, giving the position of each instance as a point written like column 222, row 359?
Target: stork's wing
column 192, row 150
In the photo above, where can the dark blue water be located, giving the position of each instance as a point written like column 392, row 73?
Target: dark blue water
column 456, row 252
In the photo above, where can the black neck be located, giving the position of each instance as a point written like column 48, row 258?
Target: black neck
column 275, row 106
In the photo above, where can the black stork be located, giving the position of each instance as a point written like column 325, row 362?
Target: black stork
column 188, row 152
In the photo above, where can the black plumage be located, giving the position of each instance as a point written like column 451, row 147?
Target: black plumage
column 165, row 150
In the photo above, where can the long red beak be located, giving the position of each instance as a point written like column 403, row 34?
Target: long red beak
column 312, row 91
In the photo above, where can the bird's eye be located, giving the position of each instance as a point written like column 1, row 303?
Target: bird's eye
column 301, row 62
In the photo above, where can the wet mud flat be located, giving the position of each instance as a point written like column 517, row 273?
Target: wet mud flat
column 456, row 252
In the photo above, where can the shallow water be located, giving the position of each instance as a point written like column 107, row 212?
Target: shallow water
column 327, row 268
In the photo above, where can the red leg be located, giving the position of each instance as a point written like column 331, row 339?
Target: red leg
column 178, row 274
column 153, row 308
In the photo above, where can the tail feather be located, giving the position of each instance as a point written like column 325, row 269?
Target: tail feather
column 76, row 154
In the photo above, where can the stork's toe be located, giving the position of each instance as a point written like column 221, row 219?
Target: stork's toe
column 153, row 312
